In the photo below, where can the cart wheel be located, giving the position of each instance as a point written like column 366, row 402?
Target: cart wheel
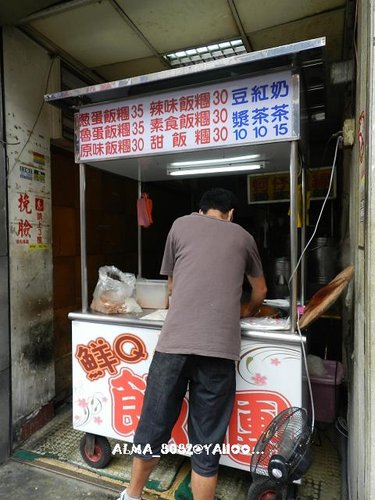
column 101, row 455
column 264, row 490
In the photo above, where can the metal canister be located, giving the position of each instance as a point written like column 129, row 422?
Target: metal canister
column 322, row 260
column 321, row 263
column 278, row 278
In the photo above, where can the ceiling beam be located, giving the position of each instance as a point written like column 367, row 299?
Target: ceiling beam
column 54, row 49
column 135, row 28
column 54, row 10
column 239, row 25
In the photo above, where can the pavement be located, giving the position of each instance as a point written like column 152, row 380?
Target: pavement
column 49, row 466
column 23, row 481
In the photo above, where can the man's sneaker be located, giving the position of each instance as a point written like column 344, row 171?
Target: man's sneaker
column 125, row 496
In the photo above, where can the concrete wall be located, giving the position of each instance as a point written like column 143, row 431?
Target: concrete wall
column 369, row 268
column 361, row 415
column 27, row 69
column 4, row 302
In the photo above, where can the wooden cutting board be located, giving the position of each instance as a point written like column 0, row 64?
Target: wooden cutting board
column 325, row 297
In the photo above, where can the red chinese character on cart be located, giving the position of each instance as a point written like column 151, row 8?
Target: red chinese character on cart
column 124, row 146
column 111, row 148
column 171, row 123
column 171, row 105
column 86, row 150
column 187, row 121
column 123, row 113
column 109, row 115
column 123, row 129
column 97, row 133
column 202, row 118
column 156, row 108
column 23, row 203
column 252, row 412
column 84, row 119
column 110, row 132
column 202, row 100
column 157, row 125
column 85, row 135
column 186, row 103
column 179, row 139
column 96, row 358
column 157, row 141
column 98, row 149
column 96, row 117
column 127, row 391
column 202, row 136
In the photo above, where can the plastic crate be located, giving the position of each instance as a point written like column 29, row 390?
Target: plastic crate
column 325, row 391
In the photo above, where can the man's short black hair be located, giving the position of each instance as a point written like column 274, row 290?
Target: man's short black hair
column 218, row 199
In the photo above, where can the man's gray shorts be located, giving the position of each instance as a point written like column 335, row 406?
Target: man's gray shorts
column 212, row 384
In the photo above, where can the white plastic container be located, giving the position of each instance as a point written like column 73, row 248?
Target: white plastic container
column 152, row 294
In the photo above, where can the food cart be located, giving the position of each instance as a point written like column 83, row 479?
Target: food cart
column 225, row 111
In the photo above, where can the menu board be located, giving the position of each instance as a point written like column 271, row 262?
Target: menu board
column 275, row 187
column 250, row 110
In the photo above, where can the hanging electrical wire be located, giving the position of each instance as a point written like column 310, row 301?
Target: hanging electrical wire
column 338, row 142
column 35, row 121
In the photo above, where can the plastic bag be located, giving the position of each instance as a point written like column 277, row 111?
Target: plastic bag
column 144, row 210
column 113, row 291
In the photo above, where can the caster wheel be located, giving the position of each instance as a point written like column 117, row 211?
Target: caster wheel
column 101, row 453
column 264, row 490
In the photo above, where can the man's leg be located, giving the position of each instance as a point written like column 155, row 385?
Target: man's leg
column 165, row 391
column 211, row 397
column 141, row 470
column 203, row 487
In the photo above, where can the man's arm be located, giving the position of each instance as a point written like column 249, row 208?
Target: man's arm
column 258, row 294
column 170, row 284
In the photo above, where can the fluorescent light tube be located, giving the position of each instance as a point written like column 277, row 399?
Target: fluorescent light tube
column 215, row 161
column 213, row 170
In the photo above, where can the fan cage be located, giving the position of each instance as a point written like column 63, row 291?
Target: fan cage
column 287, row 435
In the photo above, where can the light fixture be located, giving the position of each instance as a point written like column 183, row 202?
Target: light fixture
column 207, row 169
column 214, row 161
column 194, row 55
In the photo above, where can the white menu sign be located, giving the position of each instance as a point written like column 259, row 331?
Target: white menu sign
column 246, row 111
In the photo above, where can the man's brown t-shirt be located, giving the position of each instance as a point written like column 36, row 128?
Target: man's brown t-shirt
column 207, row 258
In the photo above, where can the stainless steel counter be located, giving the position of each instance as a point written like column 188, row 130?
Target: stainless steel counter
column 135, row 319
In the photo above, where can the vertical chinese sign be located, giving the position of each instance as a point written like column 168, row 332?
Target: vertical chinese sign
column 247, row 111
column 29, row 225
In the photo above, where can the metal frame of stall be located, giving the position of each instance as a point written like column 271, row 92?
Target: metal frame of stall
column 252, row 62
column 269, row 59
column 293, row 235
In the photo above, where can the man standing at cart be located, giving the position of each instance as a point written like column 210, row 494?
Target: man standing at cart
column 206, row 257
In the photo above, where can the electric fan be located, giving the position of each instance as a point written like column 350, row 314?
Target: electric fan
column 281, row 455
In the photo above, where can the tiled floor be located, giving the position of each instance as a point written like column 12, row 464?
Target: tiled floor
column 56, row 447
column 323, row 480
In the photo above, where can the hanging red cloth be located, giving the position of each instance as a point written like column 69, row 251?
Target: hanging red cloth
column 144, row 210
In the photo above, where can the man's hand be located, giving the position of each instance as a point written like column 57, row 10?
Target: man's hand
column 248, row 310
column 258, row 294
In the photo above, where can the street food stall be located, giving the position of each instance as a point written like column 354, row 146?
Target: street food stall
column 240, row 114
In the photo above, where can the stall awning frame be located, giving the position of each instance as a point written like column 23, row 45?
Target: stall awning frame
column 300, row 54
column 295, row 56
